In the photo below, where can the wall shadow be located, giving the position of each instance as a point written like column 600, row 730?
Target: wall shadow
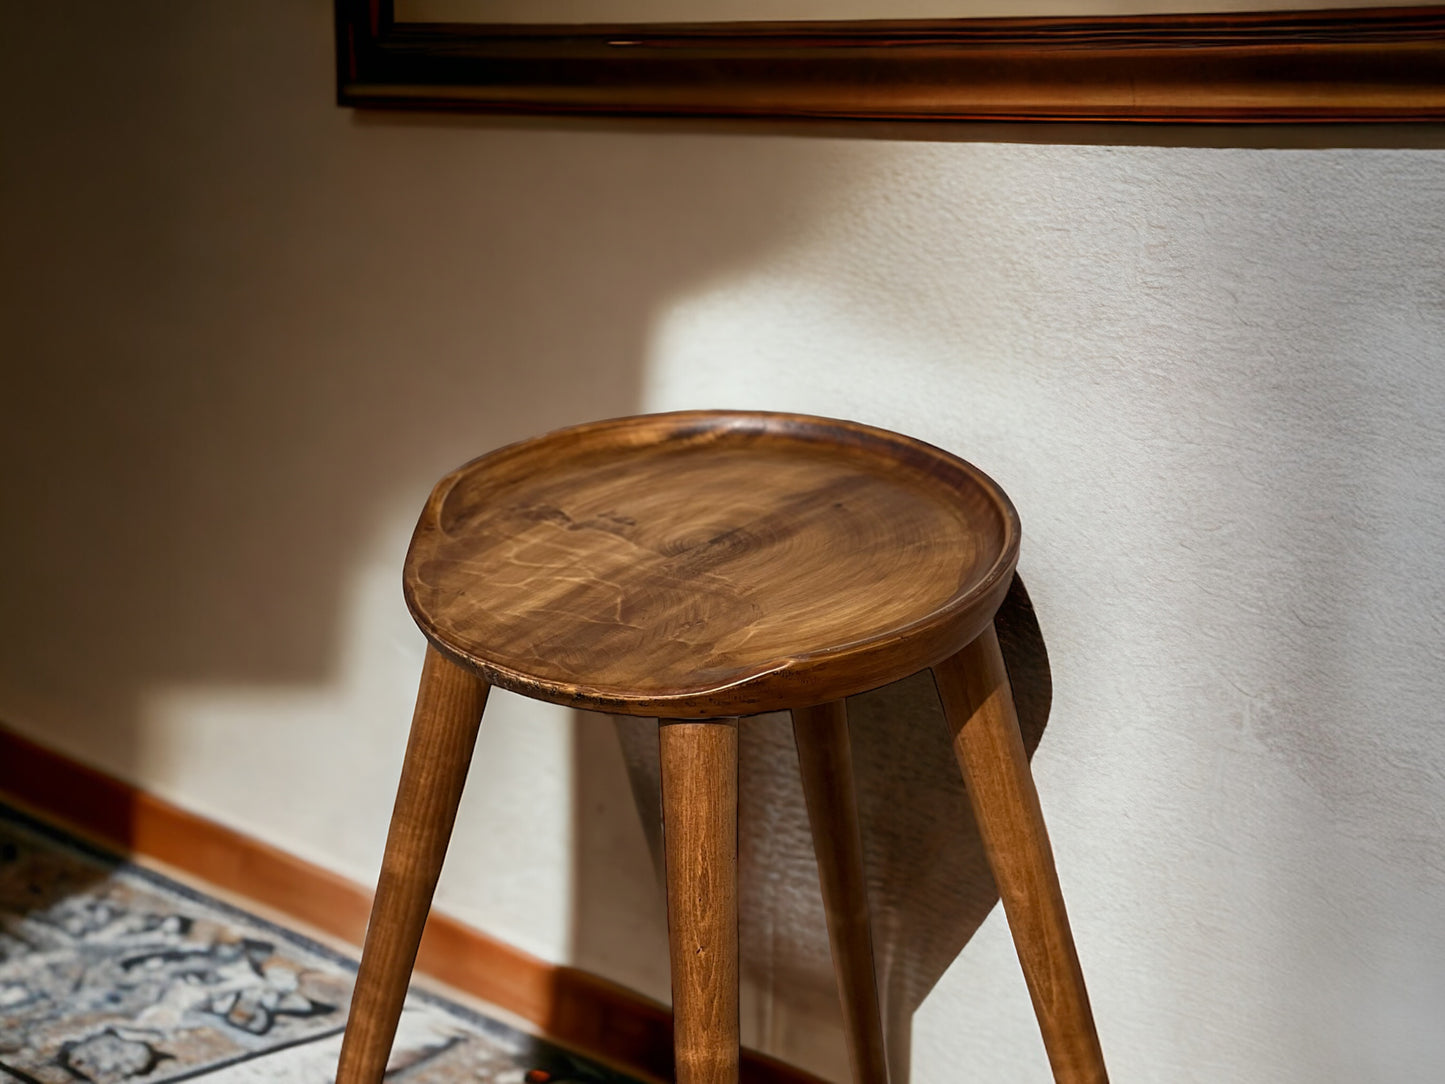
column 246, row 331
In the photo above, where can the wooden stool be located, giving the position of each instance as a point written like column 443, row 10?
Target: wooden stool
column 697, row 567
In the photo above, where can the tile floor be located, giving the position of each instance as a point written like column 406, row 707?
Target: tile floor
column 110, row 972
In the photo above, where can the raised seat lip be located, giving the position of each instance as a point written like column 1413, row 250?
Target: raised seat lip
column 799, row 680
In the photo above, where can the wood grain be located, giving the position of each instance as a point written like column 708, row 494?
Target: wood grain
column 825, row 758
column 705, row 564
column 700, row 842
column 1351, row 65
column 978, row 703
column 438, row 754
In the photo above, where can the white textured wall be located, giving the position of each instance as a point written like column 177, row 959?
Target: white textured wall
column 244, row 330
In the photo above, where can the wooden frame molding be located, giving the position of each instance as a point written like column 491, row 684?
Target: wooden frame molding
column 572, row 1006
column 1339, row 65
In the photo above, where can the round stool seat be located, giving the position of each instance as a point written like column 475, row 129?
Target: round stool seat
column 709, row 563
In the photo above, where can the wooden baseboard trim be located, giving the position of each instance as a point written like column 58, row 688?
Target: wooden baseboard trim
column 573, row 1006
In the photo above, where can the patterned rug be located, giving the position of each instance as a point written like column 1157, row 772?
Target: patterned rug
column 110, row 972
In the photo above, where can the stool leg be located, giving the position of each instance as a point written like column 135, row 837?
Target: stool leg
column 443, row 732
column 700, row 841
column 979, row 706
column 825, row 758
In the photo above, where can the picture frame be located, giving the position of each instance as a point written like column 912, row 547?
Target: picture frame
column 1357, row 65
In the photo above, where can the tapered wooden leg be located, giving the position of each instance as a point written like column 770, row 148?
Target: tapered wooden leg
column 825, row 757
column 700, row 842
column 438, row 753
column 979, row 705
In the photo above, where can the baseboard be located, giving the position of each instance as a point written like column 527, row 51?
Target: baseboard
column 575, row 1007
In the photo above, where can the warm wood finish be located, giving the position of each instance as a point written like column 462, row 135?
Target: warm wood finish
column 711, row 563
column 1369, row 64
column 974, row 687
column 438, row 754
column 572, row 1006
column 825, row 757
column 700, row 840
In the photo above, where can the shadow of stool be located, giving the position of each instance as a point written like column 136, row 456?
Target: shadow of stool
column 929, row 882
